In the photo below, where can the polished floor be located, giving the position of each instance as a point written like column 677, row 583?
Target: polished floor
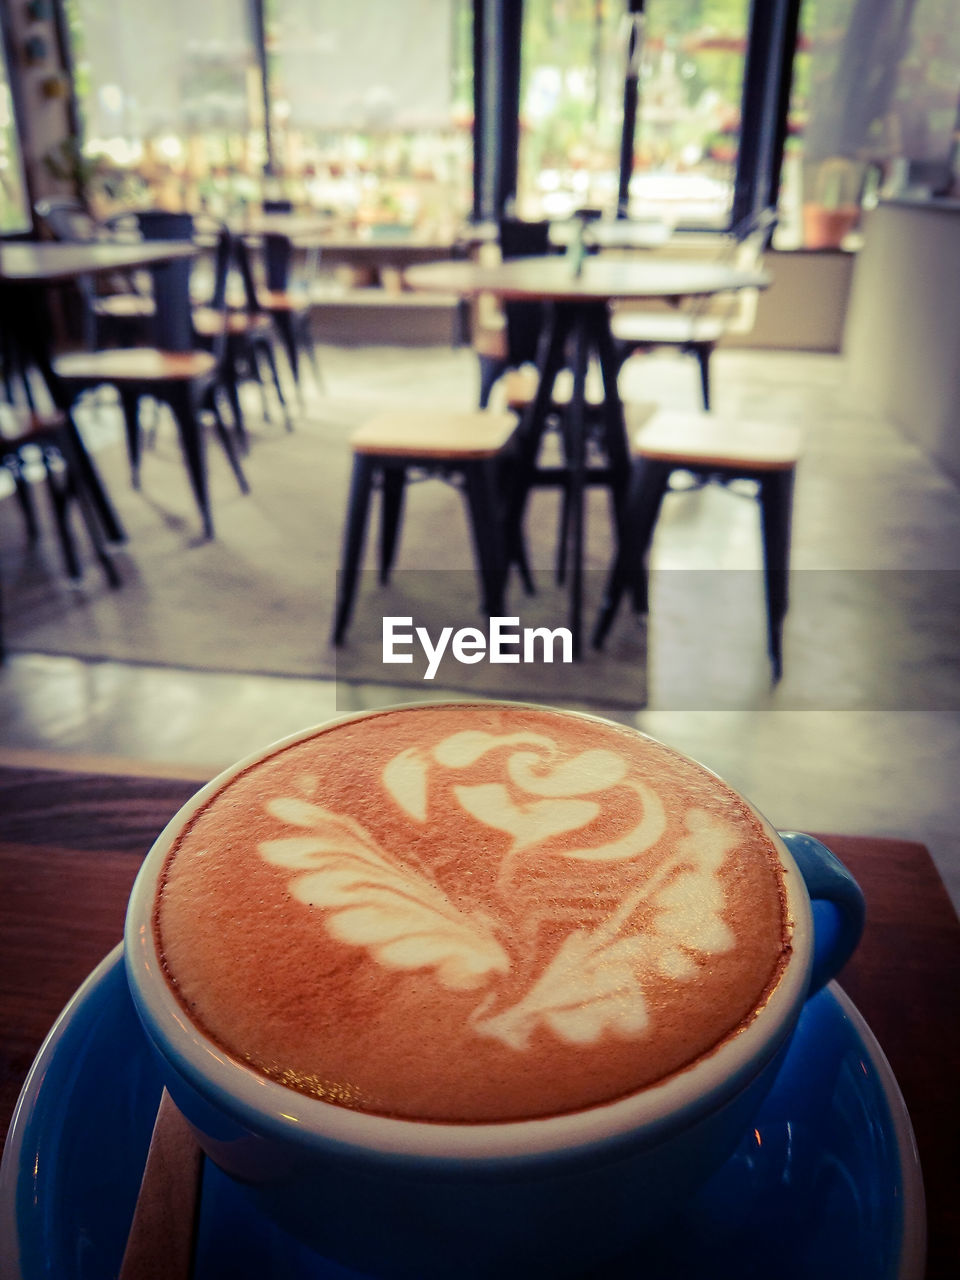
column 868, row 501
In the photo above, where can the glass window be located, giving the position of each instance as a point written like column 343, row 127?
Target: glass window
column 171, row 102
column 372, row 108
column 874, row 101
column 688, row 117
column 14, row 211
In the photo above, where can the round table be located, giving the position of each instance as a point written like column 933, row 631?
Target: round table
column 579, row 318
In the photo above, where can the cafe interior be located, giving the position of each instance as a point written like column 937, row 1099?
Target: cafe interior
column 656, row 302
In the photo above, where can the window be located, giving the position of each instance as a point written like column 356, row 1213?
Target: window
column 688, row 118
column 372, row 107
column 14, row 211
column 170, row 100
column 874, row 101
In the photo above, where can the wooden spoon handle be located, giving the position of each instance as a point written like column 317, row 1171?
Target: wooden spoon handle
column 161, row 1241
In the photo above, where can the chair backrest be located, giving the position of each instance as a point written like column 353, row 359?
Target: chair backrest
column 66, row 220
column 743, row 247
column 151, row 224
column 524, row 320
column 277, row 206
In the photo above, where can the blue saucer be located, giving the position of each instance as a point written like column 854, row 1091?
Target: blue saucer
column 828, row 1185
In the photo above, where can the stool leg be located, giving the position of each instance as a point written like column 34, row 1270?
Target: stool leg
column 648, row 483
column 776, row 508
column 481, row 494
column 394, row 484
column 193, row 447
column 360, row 485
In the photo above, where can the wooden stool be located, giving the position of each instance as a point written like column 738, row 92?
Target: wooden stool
column 714, row 450
column 472, row 446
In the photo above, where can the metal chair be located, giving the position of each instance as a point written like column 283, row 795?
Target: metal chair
column 696, row 330
column 188, row 381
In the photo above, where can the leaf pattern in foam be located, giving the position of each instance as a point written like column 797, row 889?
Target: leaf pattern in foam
column 372, row 900
column 585, row 990
column 595, row 981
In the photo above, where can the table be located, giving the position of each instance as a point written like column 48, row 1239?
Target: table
column 579, row 317
column 28, row 269
column 71, row 844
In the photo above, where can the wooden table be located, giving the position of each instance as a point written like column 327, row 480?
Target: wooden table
column 579, row 318
column 71, row 844
column 29, row 269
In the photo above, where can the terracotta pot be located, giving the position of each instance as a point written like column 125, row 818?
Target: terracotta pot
column 825, row 228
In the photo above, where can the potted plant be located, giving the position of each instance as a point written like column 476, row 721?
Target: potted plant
column 833, row 212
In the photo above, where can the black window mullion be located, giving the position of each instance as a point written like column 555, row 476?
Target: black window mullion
column 766, row 93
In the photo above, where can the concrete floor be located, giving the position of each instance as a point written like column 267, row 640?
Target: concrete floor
column 867, row 500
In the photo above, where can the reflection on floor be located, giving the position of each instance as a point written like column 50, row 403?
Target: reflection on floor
column 867, row 499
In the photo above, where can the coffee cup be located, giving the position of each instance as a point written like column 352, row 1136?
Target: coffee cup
column 476, row 988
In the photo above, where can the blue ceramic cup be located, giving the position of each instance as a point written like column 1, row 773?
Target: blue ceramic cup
column 557, row 1196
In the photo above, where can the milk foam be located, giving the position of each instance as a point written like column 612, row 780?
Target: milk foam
column 472, row 912
column 370, row 897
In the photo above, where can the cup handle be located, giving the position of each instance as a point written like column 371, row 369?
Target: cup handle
column 837, row 902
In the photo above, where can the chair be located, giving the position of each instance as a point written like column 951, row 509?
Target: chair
column 249, row 331
column 473, row 448
column 515, row 342
column 48, row 436
column 188, row 382
column 289, row 303
column 697, row 330
column 713, row 450
column 118, row 315
column 249, row 335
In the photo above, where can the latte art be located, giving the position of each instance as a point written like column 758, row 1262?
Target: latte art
column 593, row 983
column 472, row 912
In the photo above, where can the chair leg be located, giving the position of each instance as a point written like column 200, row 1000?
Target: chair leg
column 130, row 404
column 491, row 368
column 58, row 488
column 394, row 484
column 487, row 529
column 648, row 483
column 306, row 332
column 77, row 488
column 776, row 508
column 24, row 492
column 226, row 439
column 286, row 328
column 355, row 529
column 232, row 387
column 703, row 353
column 193, row 446
column 267, row 350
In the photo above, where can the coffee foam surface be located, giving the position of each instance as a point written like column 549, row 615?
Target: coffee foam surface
column 472, row 913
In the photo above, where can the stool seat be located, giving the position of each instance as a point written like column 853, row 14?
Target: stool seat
column 124, row 306
column 702, row 440
column 209, row 322
column 439, row 434
column 135, row 364
column 284, row 300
